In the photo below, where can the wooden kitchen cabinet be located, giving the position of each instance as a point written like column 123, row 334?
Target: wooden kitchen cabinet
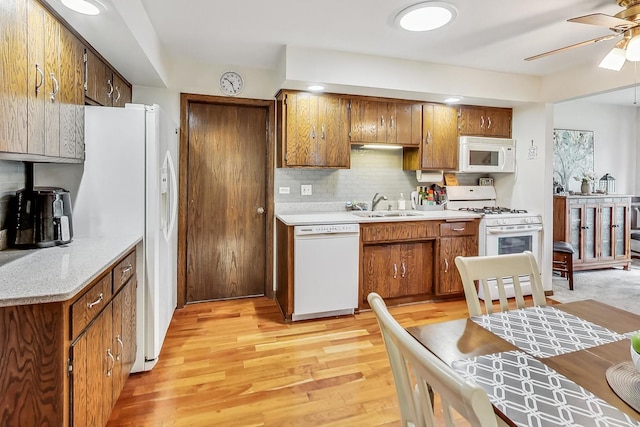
column 485, row 121
column 386, row 122
column 102, row 356
column 42, row 78
column 439, row 148
column 103, row 86
column 456, row 239
column 64, row 363
column 312, row 130
column 396, row 270
column 598, row 228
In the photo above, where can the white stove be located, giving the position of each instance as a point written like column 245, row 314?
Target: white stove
column 502, row 230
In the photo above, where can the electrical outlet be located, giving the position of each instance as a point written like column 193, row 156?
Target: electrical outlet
column 306, row 190
column 3, row 239
column 284, row 190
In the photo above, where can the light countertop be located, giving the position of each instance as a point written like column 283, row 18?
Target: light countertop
column 320, row 218
column 60, row 272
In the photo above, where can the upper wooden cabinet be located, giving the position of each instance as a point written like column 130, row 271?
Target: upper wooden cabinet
column 439, row 148
column 485, row 121
column 103, row 86
column 385, row 122
column 42, row 102
column 313, row 130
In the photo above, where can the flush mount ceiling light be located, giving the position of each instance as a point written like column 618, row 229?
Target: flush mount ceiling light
column 86, row 7
column 453, row 99
column 426, row 16
column 315, row 88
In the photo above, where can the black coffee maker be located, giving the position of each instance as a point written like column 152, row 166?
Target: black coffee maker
column 40, row 217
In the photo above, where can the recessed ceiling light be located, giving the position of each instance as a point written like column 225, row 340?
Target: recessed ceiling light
column 86, row 7
column 315, row 88
column 426, row 16
column 453, row 99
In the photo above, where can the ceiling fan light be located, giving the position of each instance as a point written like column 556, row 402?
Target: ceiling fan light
column 614, row 60
column 633, row 49
column 426, row 16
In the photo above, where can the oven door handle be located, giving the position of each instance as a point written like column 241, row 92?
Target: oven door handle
column 522, row 230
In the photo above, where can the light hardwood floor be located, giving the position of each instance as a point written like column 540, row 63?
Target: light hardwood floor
column 236, row 363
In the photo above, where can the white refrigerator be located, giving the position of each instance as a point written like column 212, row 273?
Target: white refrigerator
column 128, row 186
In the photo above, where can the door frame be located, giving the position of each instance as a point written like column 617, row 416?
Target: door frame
column 185, row 103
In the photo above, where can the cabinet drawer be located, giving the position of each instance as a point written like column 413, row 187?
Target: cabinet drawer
column 90, row 304
column 124, row 271
column 468, row 228
column 399, row 231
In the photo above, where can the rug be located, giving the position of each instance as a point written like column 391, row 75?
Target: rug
column 613, row 286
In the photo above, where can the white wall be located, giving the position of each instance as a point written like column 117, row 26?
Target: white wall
column 615, row 139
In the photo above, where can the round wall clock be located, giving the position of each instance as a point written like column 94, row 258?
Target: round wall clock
column 231, row 83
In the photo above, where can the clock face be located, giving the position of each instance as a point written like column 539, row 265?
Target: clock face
column 231, row 83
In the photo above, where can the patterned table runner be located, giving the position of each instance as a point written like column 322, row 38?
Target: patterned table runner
column 531, row 394
column 546, row 331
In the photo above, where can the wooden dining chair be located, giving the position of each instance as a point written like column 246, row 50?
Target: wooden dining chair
column 417, row 373
column 499, row 270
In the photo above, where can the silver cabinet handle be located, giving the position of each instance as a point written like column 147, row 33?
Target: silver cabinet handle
column 313, row 131
column 428, row 137
column 382, row 121
column 488, row 122
column 56, row 87
column 39, row 85
column 446, row 265
column 125, row 271
column 403, row 270
column 322, row 130
column 260, row 210
column 113, row 362
column 118, row 94
column 119, row 355
column 458, row 229
column 395, row 271
column 481, row 122
column 110, row 88
column 391, row 122
column 96, row 302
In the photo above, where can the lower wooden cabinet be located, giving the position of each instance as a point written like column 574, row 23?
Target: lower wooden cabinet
column 65, row 363
column 397, row 270
column 456, row 239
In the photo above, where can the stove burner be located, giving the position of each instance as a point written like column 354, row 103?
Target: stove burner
column 492, row 210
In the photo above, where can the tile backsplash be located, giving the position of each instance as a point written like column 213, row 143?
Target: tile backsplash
column 372, row 171
column 12, row 178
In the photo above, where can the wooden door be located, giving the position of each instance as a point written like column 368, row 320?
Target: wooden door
column 121, row 92
column 380, row 271
column 367, row 122
column 415, row 273
column 440, row 137
column 226, row 172
column 37, row 95
column 302, row 131
column 408, row 124
column 13, row 80
column 498, row 122
column 450, row 281
column 334, row 148
column 472, row 121
column 67, row 95
column 52, row 86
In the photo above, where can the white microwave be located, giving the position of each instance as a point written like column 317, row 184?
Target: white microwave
column 487, row 155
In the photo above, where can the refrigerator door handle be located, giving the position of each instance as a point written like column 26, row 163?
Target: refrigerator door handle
column 172, row 194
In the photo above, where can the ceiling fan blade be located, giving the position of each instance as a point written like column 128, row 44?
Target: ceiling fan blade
column 603, row 20
column 584, row 43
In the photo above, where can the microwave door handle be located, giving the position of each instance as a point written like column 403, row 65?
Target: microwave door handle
column 502, row 155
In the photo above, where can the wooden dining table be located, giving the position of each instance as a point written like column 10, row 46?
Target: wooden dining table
column 466, row 339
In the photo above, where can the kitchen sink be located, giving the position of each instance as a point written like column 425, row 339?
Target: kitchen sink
column 384, row 214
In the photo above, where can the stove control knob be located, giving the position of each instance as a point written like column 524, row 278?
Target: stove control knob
column 502, row 222
column 528, row 220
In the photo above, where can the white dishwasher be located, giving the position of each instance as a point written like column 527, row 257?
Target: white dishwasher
column 325, row 274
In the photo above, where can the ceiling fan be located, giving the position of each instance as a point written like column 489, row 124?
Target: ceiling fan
column 625, row 24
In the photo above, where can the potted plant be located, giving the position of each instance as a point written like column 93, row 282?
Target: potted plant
column 586, row 178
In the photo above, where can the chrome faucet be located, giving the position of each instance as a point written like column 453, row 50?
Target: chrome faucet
column 375, row 202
